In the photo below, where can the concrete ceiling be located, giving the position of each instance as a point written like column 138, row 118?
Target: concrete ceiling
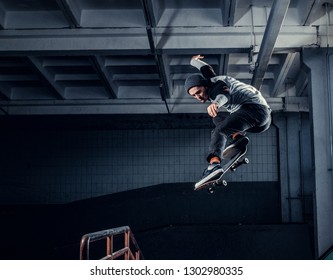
column 124, row 57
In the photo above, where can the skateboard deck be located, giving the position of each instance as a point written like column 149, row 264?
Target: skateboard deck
column 232, row 164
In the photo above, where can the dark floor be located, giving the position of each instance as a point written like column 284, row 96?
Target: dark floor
column 169, row 221
column 219, row 242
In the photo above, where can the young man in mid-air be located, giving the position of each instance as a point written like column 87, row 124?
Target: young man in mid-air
column 249, row 112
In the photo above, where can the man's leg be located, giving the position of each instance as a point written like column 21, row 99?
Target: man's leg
column 225, row 128
column 218, row 141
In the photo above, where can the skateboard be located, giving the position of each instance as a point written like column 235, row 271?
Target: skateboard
column 236, row 161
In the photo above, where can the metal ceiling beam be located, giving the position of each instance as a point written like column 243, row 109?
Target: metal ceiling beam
column 301, row 82
column 37, row 64
column 74, row 41
column 275, row 20
column 3, row 111
column 5, row 92
column 2, row 18
column 311, row 10
column 224, row 63
column 223, row 40
column 176, row 40
column 283, row 72
column 164, row 85
column 132, row 106
column 68, row 13
column 98, row 63
column 230, row 12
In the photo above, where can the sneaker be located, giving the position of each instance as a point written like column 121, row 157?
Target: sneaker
column 239, row 142
column 210, row 173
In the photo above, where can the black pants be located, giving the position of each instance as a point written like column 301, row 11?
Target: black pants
column 249, row 118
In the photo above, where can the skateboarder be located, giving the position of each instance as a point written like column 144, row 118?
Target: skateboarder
column 249, row 112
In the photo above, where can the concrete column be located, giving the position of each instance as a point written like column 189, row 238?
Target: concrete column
column 291, row 154
column 319, row 62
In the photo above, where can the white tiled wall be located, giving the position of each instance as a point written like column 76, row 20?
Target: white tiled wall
column 63, row 166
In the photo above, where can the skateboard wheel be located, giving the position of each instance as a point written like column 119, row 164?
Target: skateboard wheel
column 224, row 183
column 246, row 160
column 210, row 189
column 233, row 169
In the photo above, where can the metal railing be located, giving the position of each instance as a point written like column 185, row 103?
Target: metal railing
column 128, row 251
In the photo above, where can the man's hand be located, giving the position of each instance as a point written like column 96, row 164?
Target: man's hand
column 198, row 56
column 212, row 110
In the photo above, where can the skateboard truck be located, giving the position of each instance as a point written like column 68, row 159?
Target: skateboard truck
column 239, row 163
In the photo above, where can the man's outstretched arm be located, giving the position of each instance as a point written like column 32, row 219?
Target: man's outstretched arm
column 206, row 70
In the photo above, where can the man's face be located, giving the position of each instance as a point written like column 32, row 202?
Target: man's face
column 199, row 93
